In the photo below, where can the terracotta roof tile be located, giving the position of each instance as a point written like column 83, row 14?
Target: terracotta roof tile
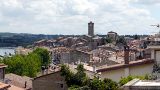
column 4, row 86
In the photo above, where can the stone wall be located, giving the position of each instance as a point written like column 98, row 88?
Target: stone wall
column 53, row 81
column 81, row 56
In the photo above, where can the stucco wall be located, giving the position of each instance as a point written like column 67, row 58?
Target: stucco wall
column 115, row 75
column 141, row 69
column 138, row 70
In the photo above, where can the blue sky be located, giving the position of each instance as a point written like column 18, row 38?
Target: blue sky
column 72, row 16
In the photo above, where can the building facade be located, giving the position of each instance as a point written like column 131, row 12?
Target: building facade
column 112, row 35
column 52, row 81
column 135, row 68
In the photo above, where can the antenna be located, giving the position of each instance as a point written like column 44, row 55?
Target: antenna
column 158, row 26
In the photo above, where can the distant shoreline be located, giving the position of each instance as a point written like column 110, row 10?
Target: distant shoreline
column 8, row 47
column 7, row 50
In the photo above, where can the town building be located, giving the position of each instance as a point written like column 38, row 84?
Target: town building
column 135, row 68
column 44, row 42
column 154, row 47
column 51, row 81
column 89, row 70
column 62, row 55
column 112, row 35
column 80, row 56
column 5, row 83
column 20, row 82
column 23, row 51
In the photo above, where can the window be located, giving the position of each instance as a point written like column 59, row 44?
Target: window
column 61, row 85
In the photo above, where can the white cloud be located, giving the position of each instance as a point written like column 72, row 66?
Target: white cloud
column 72, row 16
column 147, row 2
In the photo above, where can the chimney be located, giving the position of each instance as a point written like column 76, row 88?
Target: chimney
column 126, row 54
column 94, row 68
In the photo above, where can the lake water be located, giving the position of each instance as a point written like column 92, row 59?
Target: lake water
column 6, row 50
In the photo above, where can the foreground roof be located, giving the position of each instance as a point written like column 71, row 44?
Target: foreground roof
column 3, row 65
column 137, row 84
column 19, row 81
column 4, row 86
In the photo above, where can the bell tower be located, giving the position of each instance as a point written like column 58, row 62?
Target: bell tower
column 91, row 28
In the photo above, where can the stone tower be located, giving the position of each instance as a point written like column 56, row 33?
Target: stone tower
column 91, row 28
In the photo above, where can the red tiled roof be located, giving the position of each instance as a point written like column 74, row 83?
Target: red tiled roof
column 132, row 63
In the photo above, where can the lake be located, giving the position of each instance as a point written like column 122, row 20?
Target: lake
column 6, row 50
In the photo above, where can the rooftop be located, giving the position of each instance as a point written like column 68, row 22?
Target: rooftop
column 46, row 74
column 3, row 65
column 112, row 32
column 132, row 63
column 19, row 81
column 15, row 88
column 146, row 83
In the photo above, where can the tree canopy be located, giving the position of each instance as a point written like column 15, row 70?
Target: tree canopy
column 121, row 40
column 44, row 56
column 109, row 40
column 80, row 81
column 125, row 80
column 28, row 65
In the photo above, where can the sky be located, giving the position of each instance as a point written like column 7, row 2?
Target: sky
column 72, row 16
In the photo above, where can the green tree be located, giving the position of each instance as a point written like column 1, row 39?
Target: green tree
column 15, row 64
column 1, row 61
column 33, row 65
column 44, row 55
column 96, row 84
column 75, row 87
column 80, row 81
column 103, row 41
column 136, row 37
column 110, row 85
column 80, row 76
column 28, row 65
column 121, row 40
column 65, row 71
column 109, row 40
column 125, row 80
